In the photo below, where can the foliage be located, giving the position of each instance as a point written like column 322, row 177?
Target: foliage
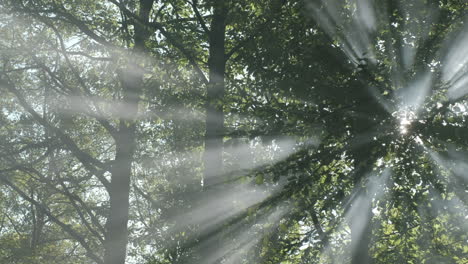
column 343, row 131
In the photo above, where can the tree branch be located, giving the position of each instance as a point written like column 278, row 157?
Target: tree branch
column 200, row 19
column 111, row 129
column 87, row 160
column 171, row 39
column 240, row 45
column 79, row 53
column 249, row 38
column 67, row 228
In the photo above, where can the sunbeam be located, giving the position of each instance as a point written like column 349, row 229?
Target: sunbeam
column 246, row 236
column 218, row 205
column 416, row 93
column 455, row 162
column 357, row 218
column 355, row 35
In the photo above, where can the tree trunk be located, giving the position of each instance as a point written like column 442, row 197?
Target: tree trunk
column 131, row 80
column 213, row 158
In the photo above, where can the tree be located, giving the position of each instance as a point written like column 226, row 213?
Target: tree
column 322, row 131
column 115, row 231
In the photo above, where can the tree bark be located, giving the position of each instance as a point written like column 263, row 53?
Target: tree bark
column 213, row 158
column 116, row 238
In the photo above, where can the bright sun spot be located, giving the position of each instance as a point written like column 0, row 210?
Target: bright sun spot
column 404, row 123
column 405, row 118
